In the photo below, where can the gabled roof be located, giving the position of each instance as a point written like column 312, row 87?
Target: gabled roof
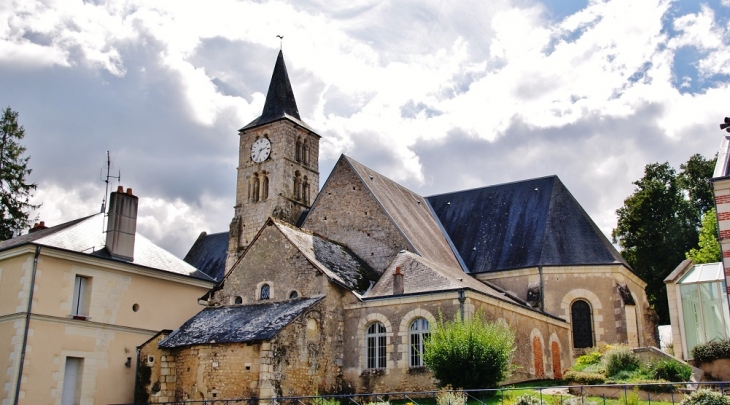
column 85, row 236
column 280, row 102
column 336, row 261
column 410, row 213
column 237, row 323
column 421, row 275
column 208, row 254
column 529, row 223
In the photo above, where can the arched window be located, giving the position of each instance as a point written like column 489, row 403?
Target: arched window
column 298, row 152
column 375, row 341
column 305, row 152
column 256, row 185
column 238, row 301
column 418, row 335
column 264, row 186
column 265, row 292
column 581, row 321
column 293, row 295
column 297, row 185
column 305, row 190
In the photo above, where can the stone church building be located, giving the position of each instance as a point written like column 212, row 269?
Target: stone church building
column 334, row 291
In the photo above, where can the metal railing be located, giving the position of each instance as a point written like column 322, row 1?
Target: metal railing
column 645, row 393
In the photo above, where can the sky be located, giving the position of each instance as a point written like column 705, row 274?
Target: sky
column 437, row 95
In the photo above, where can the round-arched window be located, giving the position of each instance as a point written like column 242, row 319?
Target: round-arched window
column 293, row 295
column 375, row 343
column 417, row 336
column 265, row 292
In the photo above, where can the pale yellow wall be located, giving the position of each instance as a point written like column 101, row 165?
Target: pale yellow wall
column 104, row 342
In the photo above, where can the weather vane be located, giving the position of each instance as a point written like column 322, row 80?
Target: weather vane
column 281, row 40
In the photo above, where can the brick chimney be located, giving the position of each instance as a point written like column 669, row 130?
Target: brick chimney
column 122, row 224
column 397, row 282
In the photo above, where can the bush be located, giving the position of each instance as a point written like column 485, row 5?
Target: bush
column 325, row 401
column 705, row 396
column 447, row 397
column 671, row 370
column 586, row 360
column 529, row 399
column 584, row 378
column 621, row 358
column 708, row 352
column 632, row 398
column 577, row 401
column 472, row 354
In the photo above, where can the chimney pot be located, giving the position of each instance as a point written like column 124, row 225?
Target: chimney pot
column 398, row 287
column 129, row 191
column 120, row 189
column 42, row 224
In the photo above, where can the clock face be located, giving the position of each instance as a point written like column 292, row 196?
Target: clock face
column 260, row 150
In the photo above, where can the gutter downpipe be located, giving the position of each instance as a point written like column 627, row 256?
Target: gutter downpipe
column 462, row 299
column 27, row 325
column 542, row 291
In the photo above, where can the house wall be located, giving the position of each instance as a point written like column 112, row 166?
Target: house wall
column 598, row 285
column 104, row 341
column 345, row 213
column 398, row 313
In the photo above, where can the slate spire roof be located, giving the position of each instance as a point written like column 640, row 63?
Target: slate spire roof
column 280, row 102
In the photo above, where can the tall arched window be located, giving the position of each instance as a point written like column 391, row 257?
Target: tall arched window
column 264, row 186
column 297, row 185
column 375, row 341
column 305, row 190
column 417, row 336
column 256, row 185
column 265, row 292
column 581, row 321
column 305, row 152
column 298, row 152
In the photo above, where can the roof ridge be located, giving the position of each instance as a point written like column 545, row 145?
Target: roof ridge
column 494, row 185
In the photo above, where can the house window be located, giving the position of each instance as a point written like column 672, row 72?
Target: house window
column 265, row 292
column 80, row 303
column 238, row 300
column 418, row 336
column 375, row 341
column 581, row 321
column 293, row 295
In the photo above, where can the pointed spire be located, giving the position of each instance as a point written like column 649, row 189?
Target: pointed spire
column 280, row 98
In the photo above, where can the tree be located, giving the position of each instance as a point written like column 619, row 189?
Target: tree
column 470, row 354
column 709, row 246
column 15, row 191
column 660, row 221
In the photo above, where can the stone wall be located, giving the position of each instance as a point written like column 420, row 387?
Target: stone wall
column 349, row 214
column 598, row 285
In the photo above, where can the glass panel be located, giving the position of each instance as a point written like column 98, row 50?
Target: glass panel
column 712, row 312
column 726, row 311
column 381, row 351
column 265, row 292
column 691, row 313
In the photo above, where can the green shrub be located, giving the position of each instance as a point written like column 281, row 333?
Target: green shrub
column 325, row 401
column 448, row 397
column 529, row 399
column 671, row 370
column 470, row 354
column 632, row 398
column 586, row 360
column 584, row 378
column 621, row 358
column 708, row 352
column 705, row 396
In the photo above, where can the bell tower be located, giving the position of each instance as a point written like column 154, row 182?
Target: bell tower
column 278, row 165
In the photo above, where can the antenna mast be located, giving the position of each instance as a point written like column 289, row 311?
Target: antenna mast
column 106, row 180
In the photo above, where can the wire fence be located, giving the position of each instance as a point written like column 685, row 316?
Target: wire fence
column 605, row 394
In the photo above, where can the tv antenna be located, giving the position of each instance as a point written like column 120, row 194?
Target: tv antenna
column 106, row 180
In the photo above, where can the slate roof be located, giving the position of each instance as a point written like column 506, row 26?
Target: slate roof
column 208, row 254
column 336, row 261
column 237, row 323
column 421, row 275
column 280, row 102
column 85, row 236
column 410, row 213
column 528, row 223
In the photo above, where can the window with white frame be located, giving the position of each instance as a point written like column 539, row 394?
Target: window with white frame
column 79, row 305
column 417, row 337
column 375, row 341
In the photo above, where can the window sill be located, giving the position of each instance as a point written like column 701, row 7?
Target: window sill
column 80, row 317
column 372, row 372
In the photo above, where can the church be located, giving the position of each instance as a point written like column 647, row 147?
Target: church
column 335, row 290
